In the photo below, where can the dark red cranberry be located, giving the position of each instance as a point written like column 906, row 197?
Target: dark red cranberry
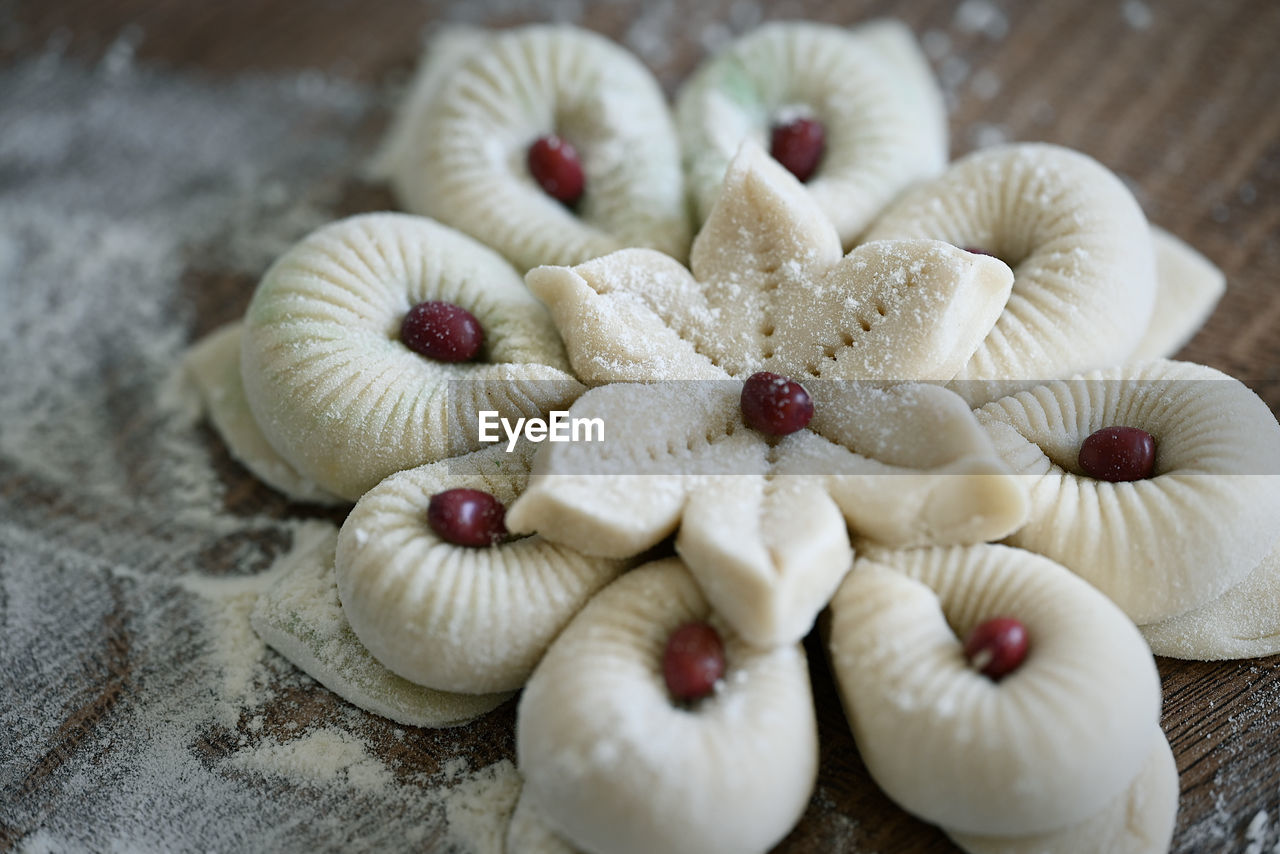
column 1118, row 454
column 467, row 517
column 774, row 404
column 976, row 251
column 997, row 647
column 554, row 164
column 442, row 330
column 798, row 145
column 693, row 661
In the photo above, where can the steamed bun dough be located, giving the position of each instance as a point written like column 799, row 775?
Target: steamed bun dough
column 1169, row 544
column 336, row 393
column 458, row 152
column 457, row 618
column 299, row 616
column 1080, row 248
column 1244, row 622
column 1188, row 286
column 213, row 366
column 613, row 765
column 1047, row 747
column 871, row 89
column 1138, row 821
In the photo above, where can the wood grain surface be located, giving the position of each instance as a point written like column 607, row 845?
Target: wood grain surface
column 1180, row 98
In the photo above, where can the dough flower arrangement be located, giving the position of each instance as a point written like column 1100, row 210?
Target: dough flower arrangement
column 873, row 367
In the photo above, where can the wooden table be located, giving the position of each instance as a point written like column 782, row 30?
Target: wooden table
column 1181, row 98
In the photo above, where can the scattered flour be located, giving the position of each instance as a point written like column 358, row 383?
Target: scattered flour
column 140, row 710
column 324, row 755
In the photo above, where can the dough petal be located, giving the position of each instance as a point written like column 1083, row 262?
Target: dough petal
column 614, row 765
column 622, row 496
column 1139, row 820
column 894, row 311
column 769, row 290
column 1044, row 748
column 908, row 465
column 461, row 154
column 622, row 317
column 339, row 396
column 1162, row 546
column 299, row 616
column 1084, row 271
column 1188, row 286
column 767, row 553
column 213, row 365
column 884, row 119
column 1244, row 622
column 456, row 618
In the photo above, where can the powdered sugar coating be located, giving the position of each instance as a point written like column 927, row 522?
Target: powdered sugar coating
column 459, row 151
column 883, row 113
column 1084, row 269
column 339, row 396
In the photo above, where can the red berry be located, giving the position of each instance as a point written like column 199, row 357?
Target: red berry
column 442, row 330
column 774, row 404
column 997, row 647
column 798, row 145
column 1118, row 454
column 467, row 517
column 554, row 164
column 693, row 661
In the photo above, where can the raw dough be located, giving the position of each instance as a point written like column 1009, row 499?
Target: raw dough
column 459, row 149
column 300, row 618
column 1162, row 546
column 528, row 833
column 763, row 524
column 457, row 618
column 1048, row 746
column 1188, row 286
column 615, row 766
column 871, row 89
column 1244, row 622
column 1139, row 820
column 768, row 289
column 337, row 394
column 213, row 365
column 1084, row 268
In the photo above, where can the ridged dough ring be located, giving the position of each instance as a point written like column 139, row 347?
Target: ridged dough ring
column 457, row 618
column 459, row 152
column 1044, row 748
column 1080, row 248
column 612, row 764
column 870, row 88
column 1164, row 545
column 332, row 387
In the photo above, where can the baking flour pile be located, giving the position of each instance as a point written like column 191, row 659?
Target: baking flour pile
column 139, row 710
